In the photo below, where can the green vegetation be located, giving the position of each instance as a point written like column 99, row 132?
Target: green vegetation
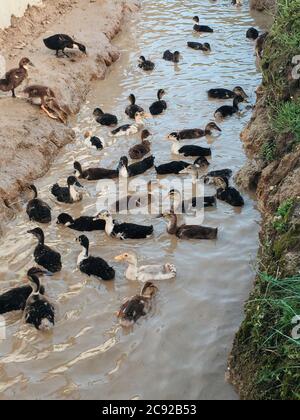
column 268, row 151
column 281, row 220
column 286, row 119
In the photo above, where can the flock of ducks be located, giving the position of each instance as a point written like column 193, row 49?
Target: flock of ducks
column 38, row 310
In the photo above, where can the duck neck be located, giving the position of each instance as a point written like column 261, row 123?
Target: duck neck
column 123, row 172
column 132, row 271
column 175, row 147
column 172, row 225
column 35, row 284
column 83, row 255
column 75, row 195
column 109, row 226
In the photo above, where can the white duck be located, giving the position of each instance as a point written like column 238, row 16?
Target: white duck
column 147, row 272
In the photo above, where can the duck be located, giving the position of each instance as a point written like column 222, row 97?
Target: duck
column 59, row 42
column 146, row 65
column 124, row 231
column 145, row 273
column 16, row 298
column 137, row 306
column 237, row 3
column 159, row 106
column 220, row 93
column 97, row 142
column 133, row 201
column 130, row 129
column 201, row 28
column 169, row 56
column 260, row 44
column 196, row 133
column 227, row 110
column 133, row 108
column 199, row 47
column 140, row 150
column 82, row 224
column 15, row 77
column 175, row 167
column 226, row 193
column 95, row 174
column 37, row 210
column 135, row 169
column 38, row 311
column 70, row 194
column 193, row 203
column 224, row 173
column 93, row 266
column 43, row 255
column 188, row 231
column 45, row 97
column 105, row 119
column 190, row 150
column 252, row 33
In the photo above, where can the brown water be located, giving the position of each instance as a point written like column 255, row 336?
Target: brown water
column 181, row 349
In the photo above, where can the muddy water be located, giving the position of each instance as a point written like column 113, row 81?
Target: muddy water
column 180, row 350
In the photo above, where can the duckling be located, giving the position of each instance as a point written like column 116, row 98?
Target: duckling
column 94, row 174
column 93, row 266
column 169, row 56
column 196, row 133
column 159, row 106
column 191, row 150
column 138, row 306
column 133, row 109
column 146, row 273
column 82, row 224
column 146, row 65
column 138, row 168
column 221, row 93
column 96, row 142
column 108, row 120
column 237, row 3
column 201, row 28
column 227, row 110
column 194, row 203
column 45, row 97
column 188, row 231
column 15, row 77
column 140, row 150
column 124, row 230
column 60, row 42
column 199, row 47
column 225, row 193
column 175, row 167
column 70, row 194
column 43, row 255
column 15, row 299
column 252, row 34
column 130, row 129
column 37, row 210
column 38, row 311
column 260, row 44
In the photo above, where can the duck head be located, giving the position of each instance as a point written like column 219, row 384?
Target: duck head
column 206, row 47
column 219, row 182
column 212, row 126
column 132, row 99
column 142, row 59
column 128, row 257
column 149, row 290
column 145, row 135
column 123, row 166
column 98, row 112
column 65, row 219
column 160, row 94
column 38, row 233
column 196, row 19
column 25, row 63
column 82, row 48
column 239, row 91
column 173, row 137
column 96, row 142
column 83, row 241
column 103, row 215
column 176, row 56
column 39, row 272
column 72, row 181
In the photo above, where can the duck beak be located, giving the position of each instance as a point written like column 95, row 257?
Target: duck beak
column 31, row 64
column 46, row 273
column 218, row 128
column 119, row 258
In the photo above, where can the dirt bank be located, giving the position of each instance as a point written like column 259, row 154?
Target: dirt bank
column 29, row 140
column 262, row 5
column 265, row 357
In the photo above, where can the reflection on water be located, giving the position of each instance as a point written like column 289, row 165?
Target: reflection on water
column 180, row 351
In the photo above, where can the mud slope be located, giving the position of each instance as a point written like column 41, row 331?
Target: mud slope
column 29, row 140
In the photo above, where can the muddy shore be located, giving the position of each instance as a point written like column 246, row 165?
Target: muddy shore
column 29, row 140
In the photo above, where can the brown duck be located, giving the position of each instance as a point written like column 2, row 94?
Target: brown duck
column 142, row 149
column 188, row 231
column 15, row 77
column 45, row 97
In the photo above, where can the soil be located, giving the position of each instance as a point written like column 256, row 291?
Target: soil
column 30, row 140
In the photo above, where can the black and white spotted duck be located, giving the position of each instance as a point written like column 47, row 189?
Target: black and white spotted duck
column 158, row 107
column 133, row 108
column 37, row 210
column 135, row 169
column 190, row 150
column 82, row 224
column 105, row 119
column 15, row 77
column 45, row 256
column 146, row 65
column 70, row 194
column 201, row 28
column 95, row 174
column 169, row 56
column 227, row 110
column 188, row 231
column 199, row 47
column 221, row 93
column 59, row 42
column 140, row 150
column 196, row 133
column 224, row 192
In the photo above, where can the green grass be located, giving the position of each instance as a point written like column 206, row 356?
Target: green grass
column 282, row 216
column 287, row 119
column 268, row 151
